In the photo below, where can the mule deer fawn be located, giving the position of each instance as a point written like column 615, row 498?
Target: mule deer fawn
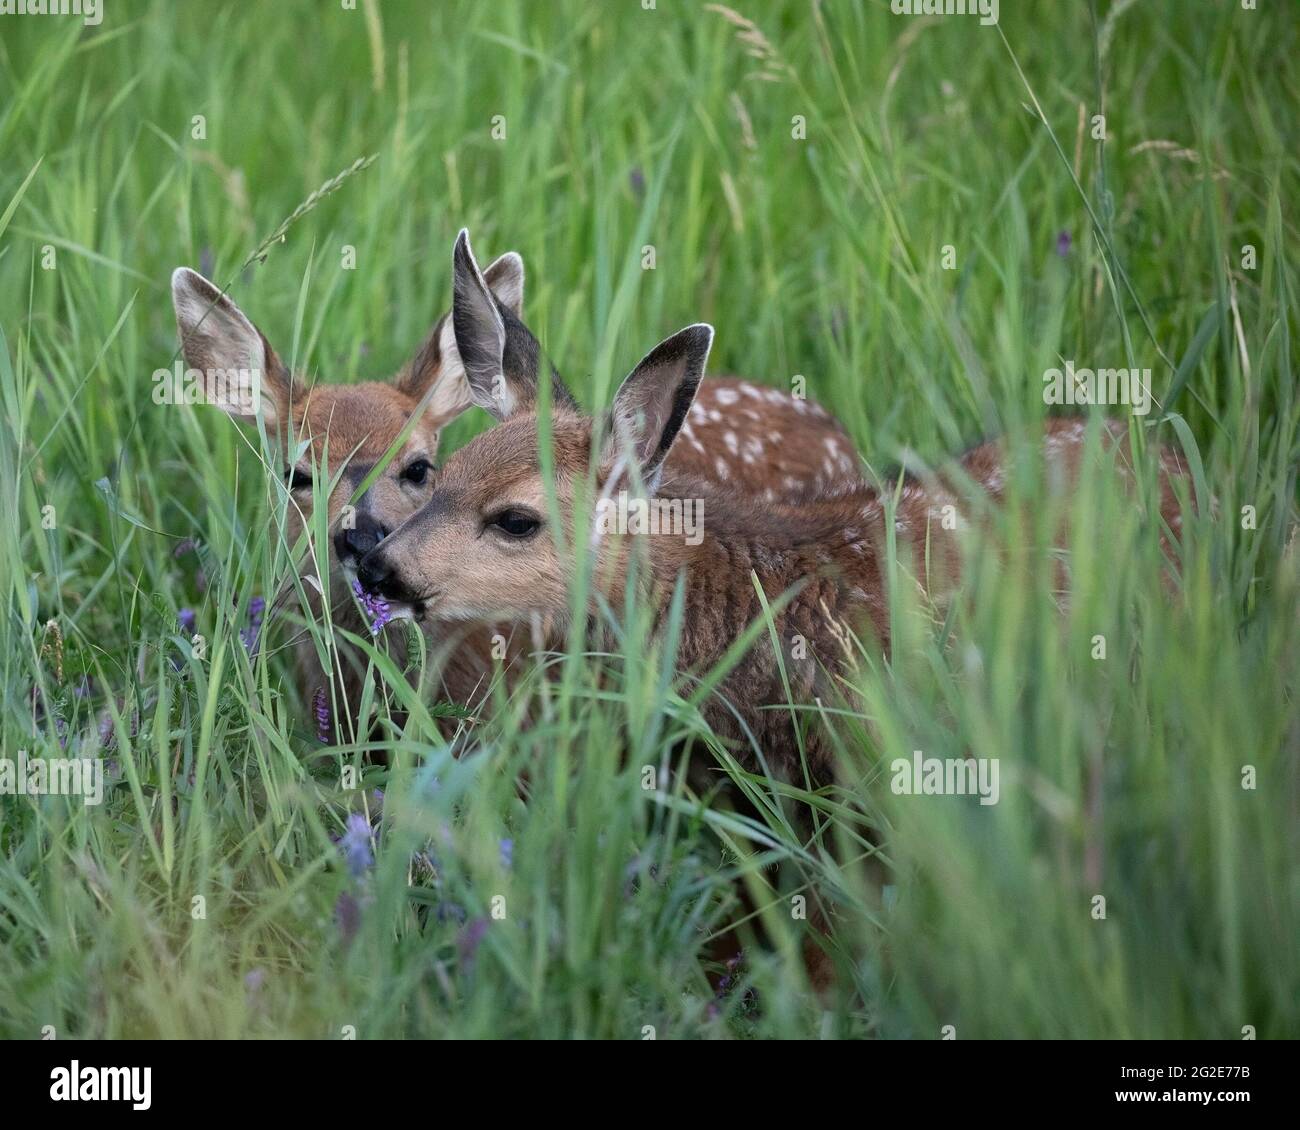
column 349, row 429
column 776, row 446
column 481, row 548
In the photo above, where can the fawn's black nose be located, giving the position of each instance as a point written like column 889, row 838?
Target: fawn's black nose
column 353, row 543
column 378, row 576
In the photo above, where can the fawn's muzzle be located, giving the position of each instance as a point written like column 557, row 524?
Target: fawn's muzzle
column 354, row 543
column 378, row 576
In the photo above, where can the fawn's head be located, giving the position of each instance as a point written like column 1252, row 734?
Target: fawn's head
column 481, row 547
column 347, row 427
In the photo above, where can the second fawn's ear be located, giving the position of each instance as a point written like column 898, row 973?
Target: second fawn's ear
column 505, row 278
column 502, row 361
column 480, row 333
column 217, row 336
column 650, row 407
column 438, row 365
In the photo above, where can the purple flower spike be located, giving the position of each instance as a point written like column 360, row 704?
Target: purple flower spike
column 347, row 915
column 321, row 708
column 375, row 607
column 507, row 853
column 356, row 845
column 186, row 618
column 1063, row 244
column 249, row 636
column 468, row 941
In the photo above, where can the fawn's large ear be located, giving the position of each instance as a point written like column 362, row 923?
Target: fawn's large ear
column 651, row 405
column 501, row 359
column 438, row 365
column 216, row 337
column 480, row 333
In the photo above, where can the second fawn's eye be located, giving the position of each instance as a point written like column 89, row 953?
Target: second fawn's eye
column 516, row 523
column 298, row 480
column 415, row 473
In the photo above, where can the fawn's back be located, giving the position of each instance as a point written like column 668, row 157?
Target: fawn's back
column 831, row 550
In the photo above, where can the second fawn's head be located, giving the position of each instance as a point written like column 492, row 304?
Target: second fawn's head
column 482, row 547
column 347, row 427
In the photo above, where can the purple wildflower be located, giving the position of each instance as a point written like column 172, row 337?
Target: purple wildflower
column 636, row 180
column 469, row 939
column 355, row 843
column 375, row 607
column 347, row 913
column 507, row 853
column 184, row 546
column 254, row 979
column 1063, row 244
column 249, row 635
column 728, row 980
column 321, row 708
column 186, row 618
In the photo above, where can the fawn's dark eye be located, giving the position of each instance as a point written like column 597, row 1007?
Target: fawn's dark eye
column 516, row 523
column 415, row 473
column 298, row 480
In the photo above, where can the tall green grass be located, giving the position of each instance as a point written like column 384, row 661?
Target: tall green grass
column 1121, row 777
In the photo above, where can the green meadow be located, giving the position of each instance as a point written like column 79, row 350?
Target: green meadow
column 913, row 217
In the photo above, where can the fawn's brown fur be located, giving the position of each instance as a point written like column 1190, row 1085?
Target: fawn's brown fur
column 778, row 447
column 480, row 549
